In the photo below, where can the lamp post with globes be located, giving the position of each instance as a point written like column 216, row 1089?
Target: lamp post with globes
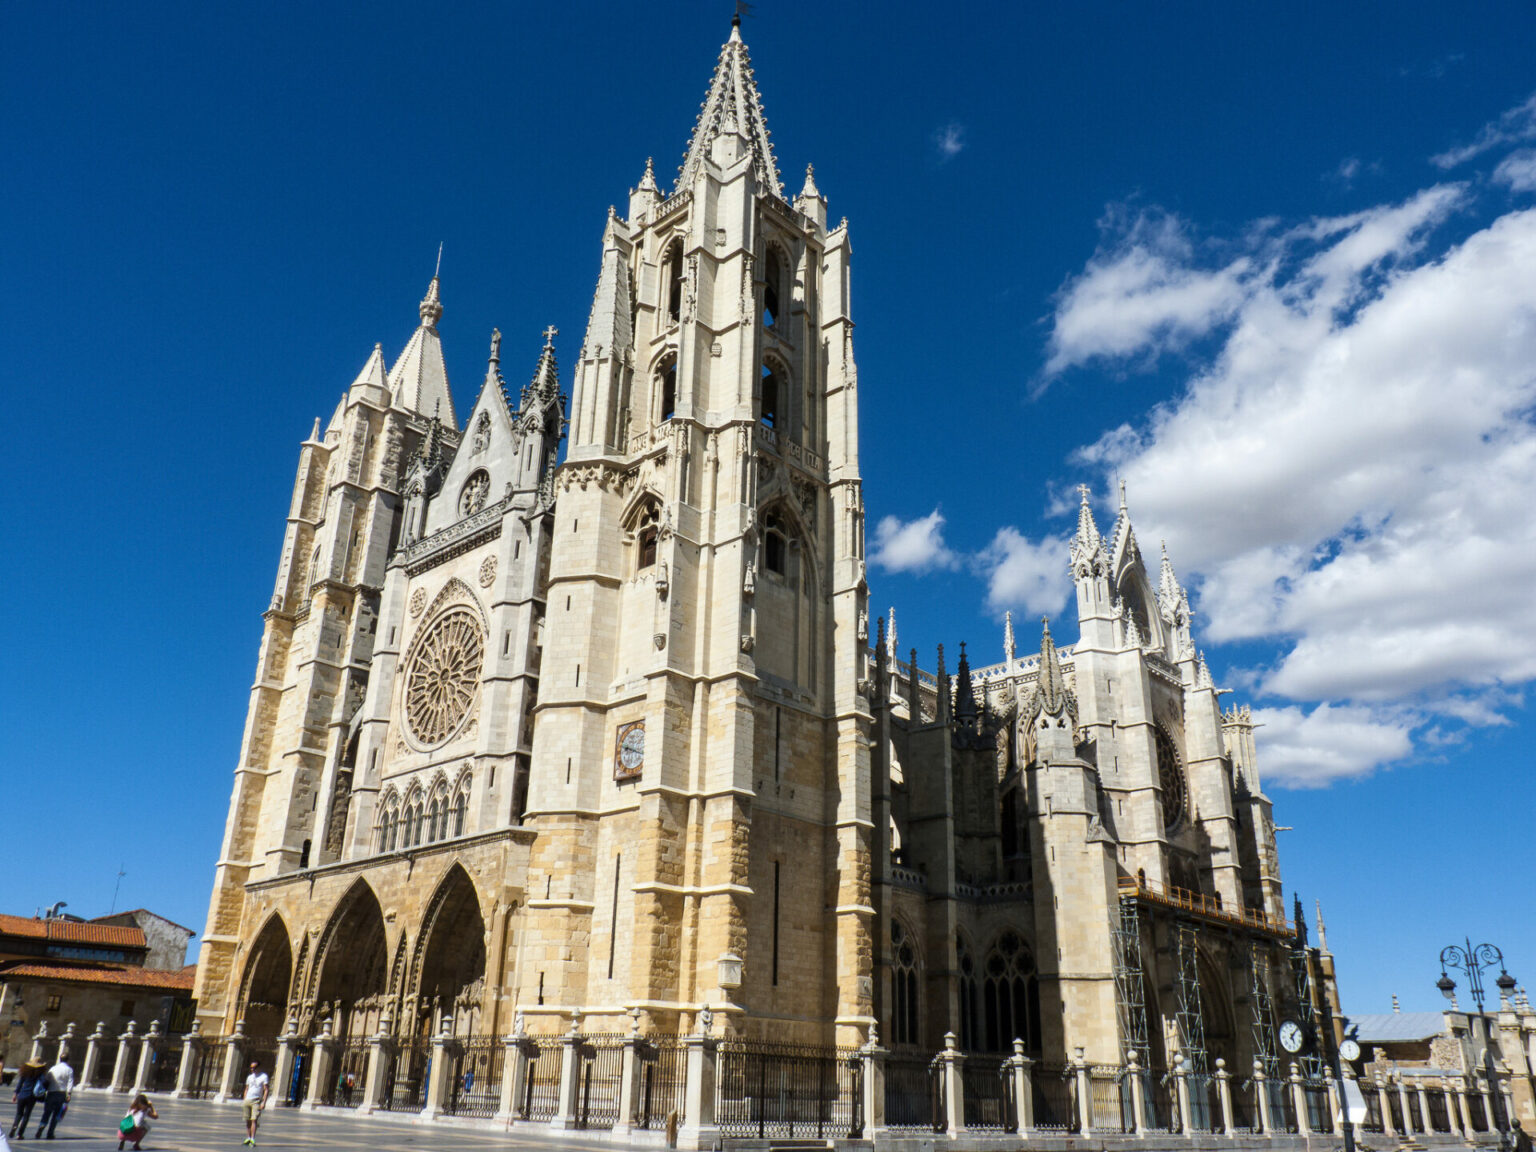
column 1473, row 961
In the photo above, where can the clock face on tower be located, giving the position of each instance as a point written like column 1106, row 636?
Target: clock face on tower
column 1291, row 1036
column 629, row 751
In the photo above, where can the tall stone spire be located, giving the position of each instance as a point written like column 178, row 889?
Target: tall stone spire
column 419, row 379
column 965, row 696
column 1052, row 685
column 546, row 377
column 1010, row 649
column 732, row 106
column 1087, row 550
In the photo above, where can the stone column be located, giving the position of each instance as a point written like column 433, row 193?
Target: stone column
column 1424, row 1120
column 1508, row 1092
column 122, row 1070
column 65, row 1040
column 322, row 1054
column 1482, row 1088
column 1465, row 1116
column 440, row 1081
column 1133, row 1077
column 1084, row 1093
column 698, row 1129
column 191, row 1051
column 1402, row 1096
column 1261, row 1092
column 1387, row 1127
column 1023, row 1088
column 37, row 1043
column 92, row 1055
column 1335, row 1112
column 872, row 1057
column 1299, row 1101
column 230, row 1083
column 1181, row 1092
column 380, row 1052
column 287, row 1056
column 570, row 1078
column 1451, row 1116
column 1224, row 1094
column 152, row 1040
column 953, row 1060
column 514, row 1072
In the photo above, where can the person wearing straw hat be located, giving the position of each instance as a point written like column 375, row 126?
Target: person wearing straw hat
column 29, row 1090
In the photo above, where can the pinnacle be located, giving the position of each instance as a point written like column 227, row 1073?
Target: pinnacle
column 732, row 105
column 431, row 307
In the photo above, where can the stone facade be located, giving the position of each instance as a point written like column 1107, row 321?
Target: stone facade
column 607, row 742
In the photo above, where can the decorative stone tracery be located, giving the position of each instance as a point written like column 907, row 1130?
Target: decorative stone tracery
column 444, row 677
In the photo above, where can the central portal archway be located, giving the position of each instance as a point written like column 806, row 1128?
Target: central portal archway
column 451, row 980
column 354, row 965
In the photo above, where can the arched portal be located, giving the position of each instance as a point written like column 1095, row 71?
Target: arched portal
column 353, row 965
column 268, row 979
column 451, row 969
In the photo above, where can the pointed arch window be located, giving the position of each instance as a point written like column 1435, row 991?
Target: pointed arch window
column 388, row 827
column 966, row 968
column 674, row 274
column 668, row 383
column 904, row 985
column 1011, row 996
column 768, row 407
column 645, row 539
column 461, row 808
column 773, row 275
column 775, row 544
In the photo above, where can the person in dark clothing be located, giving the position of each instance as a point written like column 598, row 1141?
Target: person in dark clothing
column 28, row 1092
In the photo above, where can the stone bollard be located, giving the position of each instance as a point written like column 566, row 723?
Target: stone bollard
column 92, row 1055
column 570, row 1077
column 381, row 1050
column 191, row 1053
column 231, row 1082
column 65, row 1040
column 629, row 1077
column 1134, row 1077
column 1181, row 1093
column 1224, row 1094
column 1023, row 1088
column 952, row 1061
column 121, row 1069
column 440, row 1082
column 1081, row 1076
column 37, row 1043
column 152, row 1042
column 1261, row 1092
column 322, row 1063
column 514, row 1072
column 283, row 1064
column 1424, row 1120
column 1299, row 1100
column 872, row 1080
column 699, row 1130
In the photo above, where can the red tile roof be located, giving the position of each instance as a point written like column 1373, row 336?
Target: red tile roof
column 72, row 932
column 177, row 980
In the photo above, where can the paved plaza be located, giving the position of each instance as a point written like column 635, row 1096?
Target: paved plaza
column 202, row 1126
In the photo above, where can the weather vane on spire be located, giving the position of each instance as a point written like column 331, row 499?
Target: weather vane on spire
column 742, row 9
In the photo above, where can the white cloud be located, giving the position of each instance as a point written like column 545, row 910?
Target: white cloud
column 1512, row 126
column 1301, row 749
column 1518, row 170
column 1026, row 574
column 1349, row 473
column 912, row 545
column 950, row 141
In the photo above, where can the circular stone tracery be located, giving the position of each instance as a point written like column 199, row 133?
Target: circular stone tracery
column 444, row 677
column 475, row 490
column 1170, row 778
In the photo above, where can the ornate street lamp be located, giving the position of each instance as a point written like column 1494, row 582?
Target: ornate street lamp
column 1472, row 961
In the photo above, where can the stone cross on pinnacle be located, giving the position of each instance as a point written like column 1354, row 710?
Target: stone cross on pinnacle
column 549, row 336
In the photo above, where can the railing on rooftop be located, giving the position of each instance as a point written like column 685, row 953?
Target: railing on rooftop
column 1200, row 904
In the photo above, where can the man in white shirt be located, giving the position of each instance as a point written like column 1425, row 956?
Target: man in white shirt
column 256, row 1086
column 59, row 1082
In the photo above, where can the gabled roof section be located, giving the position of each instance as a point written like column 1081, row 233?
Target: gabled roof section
column 1382, row 1027
column 73, row 931
column 419, row 379
column 732, row 105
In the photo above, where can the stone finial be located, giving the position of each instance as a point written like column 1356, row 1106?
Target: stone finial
column 951, row 1044
column 1010, row 649
column 431, row 307
column 810, row 191
column 1396, row 1007
column 648, row 181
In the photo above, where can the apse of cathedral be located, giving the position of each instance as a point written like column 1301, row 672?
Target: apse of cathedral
column 604, row 740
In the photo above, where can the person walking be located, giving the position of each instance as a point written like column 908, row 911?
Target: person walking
column 29, row 1090
column 140, row 1113
column 256, row 1087
column 59, row 1084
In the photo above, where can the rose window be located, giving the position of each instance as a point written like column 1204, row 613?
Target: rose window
column 444, row 676
column 472, row 498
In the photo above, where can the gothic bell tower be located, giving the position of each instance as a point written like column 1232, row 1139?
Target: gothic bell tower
column 700, row 780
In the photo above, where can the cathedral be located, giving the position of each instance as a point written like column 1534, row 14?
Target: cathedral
column 572, row 713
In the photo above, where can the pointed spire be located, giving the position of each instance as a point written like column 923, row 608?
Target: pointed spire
column 419, row 379
column 965, row 697
column 546, row 377
column 1322, row 929
column 1010, row 650
column 1087, row 549
column 810, row 191
column 1087, row 530
column 1052, row 686
column 431, row 306
column 314, row 435
column 891, row 633
column 732, row 106
column 1168, row 588
column 648, row 181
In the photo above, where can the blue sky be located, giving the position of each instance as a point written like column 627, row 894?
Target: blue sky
column 1275, row 267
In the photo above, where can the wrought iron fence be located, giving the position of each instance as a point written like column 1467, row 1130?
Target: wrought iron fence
column 261, row 1050
column 663, row 1079
column 209, row 1074
column 912, row 1087
column 1414, row 1113
column 599, row 1080
column 164, row 1064
column 1439, row 1114
column 1319, row 1107
column 1372, row 1097
column 1282, row 1106
column 292, row 1094
column 1054, row 1093
column 1476, row 1113
column 1204, row 1109
column 475, row 1065
column 349, row 1074
column 106, row 1063
column 987, row 1084
column 1395, row 1106
column 1245, row 1114
column 541, row 1084
column 406, row 1075
column 1111, row 1101
column 788, row 1091
column 1162, row 1105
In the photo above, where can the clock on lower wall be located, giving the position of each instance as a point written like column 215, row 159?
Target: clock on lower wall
column 629, row 751
column 1292, row 1037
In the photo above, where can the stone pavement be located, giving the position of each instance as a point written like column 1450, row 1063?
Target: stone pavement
column 202, row 1126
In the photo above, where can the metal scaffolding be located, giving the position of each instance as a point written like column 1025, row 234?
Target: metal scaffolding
column 1191, row 1017
column 1130, row 997
column 1311, row 1062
